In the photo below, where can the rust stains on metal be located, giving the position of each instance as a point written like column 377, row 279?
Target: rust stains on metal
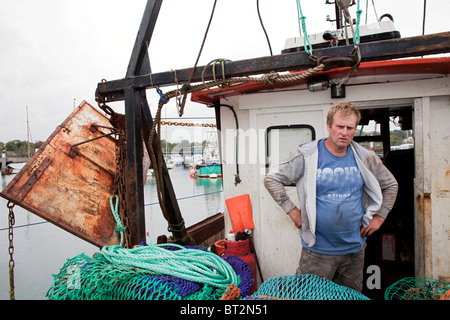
column 72, row 191
column 423, row 208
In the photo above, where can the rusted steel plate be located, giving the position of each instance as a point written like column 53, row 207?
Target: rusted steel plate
column 72, row 192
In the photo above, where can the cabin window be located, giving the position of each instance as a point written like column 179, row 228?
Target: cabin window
column 395, row 134
column 370, row 137
column 281, row 140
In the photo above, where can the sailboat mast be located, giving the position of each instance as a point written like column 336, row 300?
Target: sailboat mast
column 338, row 13
column 28, row 136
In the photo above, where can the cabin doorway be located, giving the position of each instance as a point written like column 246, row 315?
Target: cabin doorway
column 389, row 254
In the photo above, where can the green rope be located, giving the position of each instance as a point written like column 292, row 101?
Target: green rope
column 356, row 37
column 302, row 25
column 115, row 211
column 190, row 264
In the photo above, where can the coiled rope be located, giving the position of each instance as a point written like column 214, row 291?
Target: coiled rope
column 190, row 264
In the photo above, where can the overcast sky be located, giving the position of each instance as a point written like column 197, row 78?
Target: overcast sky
column 54, row 52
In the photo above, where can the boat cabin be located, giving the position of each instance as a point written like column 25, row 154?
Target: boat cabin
column 405, row 106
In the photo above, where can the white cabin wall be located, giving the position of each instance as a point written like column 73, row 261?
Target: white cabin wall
column 432, row 184
column 440, row 200
column 228, row 156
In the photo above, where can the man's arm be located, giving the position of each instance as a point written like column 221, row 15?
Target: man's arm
column 389, row 189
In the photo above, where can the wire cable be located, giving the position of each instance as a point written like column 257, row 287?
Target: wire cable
column 264, row 29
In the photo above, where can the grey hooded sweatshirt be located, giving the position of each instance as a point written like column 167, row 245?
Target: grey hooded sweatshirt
column 379, row 194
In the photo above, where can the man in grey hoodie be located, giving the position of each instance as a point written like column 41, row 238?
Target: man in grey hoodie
column 345, row 194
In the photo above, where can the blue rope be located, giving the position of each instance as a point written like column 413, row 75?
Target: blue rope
column 194, row 196
column 25, row 225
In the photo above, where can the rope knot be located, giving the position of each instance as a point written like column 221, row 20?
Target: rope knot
column 185, row 87
column 121, row 228
column 270, row 78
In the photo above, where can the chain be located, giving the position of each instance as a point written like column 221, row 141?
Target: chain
column 187, row 124
column 117, row 120
column 120, row 185
column 12, row 221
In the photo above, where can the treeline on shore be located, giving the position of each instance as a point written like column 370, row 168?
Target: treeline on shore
column 19, row 148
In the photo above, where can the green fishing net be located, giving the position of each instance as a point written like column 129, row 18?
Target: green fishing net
column 412, row 288
column 304, row 287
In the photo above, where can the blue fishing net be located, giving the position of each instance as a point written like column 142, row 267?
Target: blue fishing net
column 243, row 271
column 155, row 288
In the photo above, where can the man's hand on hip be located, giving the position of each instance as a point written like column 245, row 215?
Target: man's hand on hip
column 296, row 216
column 373, row 226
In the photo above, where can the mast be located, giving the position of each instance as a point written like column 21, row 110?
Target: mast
column 28, row 136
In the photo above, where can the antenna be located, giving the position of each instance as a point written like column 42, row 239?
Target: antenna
column 338, row 11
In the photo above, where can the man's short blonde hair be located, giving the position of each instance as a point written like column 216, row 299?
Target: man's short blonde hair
column 346, row 109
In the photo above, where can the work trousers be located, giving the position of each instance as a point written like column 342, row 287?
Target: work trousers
column 346, row 270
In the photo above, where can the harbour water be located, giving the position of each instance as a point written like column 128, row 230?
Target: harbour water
column 41, row 248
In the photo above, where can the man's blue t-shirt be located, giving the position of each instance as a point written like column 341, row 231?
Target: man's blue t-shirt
column 339, row 187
